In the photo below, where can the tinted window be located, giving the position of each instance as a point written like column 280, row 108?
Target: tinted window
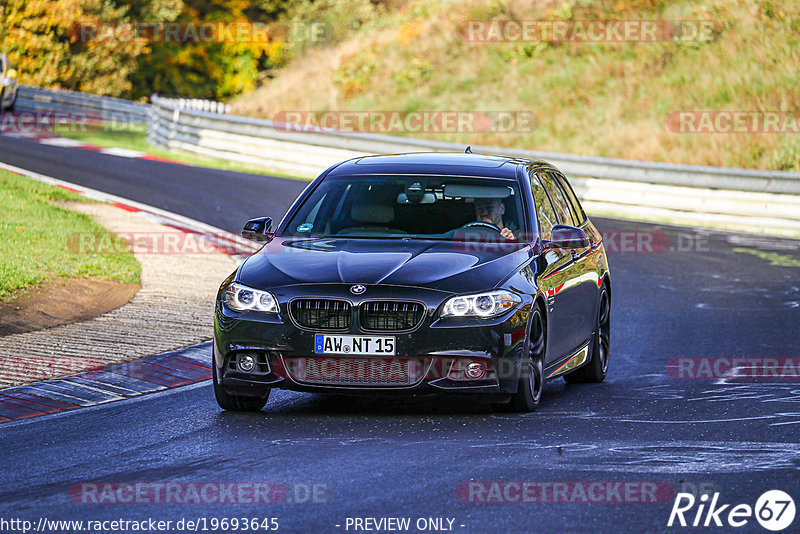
column 434, row 207
column 544, row 209
column 577, row 211
column 557, row 196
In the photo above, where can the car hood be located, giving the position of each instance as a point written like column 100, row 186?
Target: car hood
column 448, row 266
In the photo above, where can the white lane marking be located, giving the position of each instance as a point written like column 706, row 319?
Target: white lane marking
column 24, row 135
column 62, row 142
column 122, row 152
column 36, row 386
column 166, row 217
column 92, row 384
column 692, row 421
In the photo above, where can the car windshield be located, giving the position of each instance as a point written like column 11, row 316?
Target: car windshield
column 426, row 207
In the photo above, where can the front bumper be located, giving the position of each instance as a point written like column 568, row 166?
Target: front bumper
column 434, row 346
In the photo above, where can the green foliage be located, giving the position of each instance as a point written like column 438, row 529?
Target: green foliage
column 42, row 41
column 786, row 157
column 219, row 68
column 340, row 18
column 81, row 45
column 417, row 71
column 356, row 72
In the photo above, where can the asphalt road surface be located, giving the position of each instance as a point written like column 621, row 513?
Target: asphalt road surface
column 707, row 298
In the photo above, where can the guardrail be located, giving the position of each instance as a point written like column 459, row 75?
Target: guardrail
column 96, row 107
column 741, row 199
column 196, row 103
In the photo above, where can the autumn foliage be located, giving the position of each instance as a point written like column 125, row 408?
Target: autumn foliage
column 71, row 44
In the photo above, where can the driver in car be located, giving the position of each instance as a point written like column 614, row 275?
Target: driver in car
column 491, row 210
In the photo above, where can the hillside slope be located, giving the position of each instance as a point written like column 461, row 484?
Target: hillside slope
column 613, row 99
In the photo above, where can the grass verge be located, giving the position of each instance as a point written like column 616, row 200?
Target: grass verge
column 616, row 98
column 35, row 233
column 135, row 138
column 775, row 259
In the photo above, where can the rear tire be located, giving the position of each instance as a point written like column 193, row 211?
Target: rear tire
column 531, row 380
column 595, row 371
column 236, row 403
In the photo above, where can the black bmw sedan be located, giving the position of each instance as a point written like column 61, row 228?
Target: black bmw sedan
column 416, row 274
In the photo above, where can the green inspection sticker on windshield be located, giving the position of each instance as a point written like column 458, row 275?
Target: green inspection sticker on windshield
column 305, row 227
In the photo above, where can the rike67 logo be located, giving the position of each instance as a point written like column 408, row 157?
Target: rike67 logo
column 774, row 510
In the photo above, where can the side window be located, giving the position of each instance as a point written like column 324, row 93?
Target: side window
column 544, row 209
column 577, row 210
column 557, row 196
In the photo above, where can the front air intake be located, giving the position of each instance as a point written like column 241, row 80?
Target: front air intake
column 391, row 316
column 321, row 314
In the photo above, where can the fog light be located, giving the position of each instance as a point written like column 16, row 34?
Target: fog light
column 246, row 363
column 469, row 369
column 475, row 371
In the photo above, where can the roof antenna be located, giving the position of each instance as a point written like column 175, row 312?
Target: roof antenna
column 468, row 150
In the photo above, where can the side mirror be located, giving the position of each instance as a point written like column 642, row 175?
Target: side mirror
column 570, row 237
column 258, row 229
column 12, row 73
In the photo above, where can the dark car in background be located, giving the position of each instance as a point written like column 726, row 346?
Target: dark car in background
column 8, row 84
column 416, row 274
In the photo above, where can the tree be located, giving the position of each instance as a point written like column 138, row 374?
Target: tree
column 43, row 41
column 119, row 47
column 223, row 66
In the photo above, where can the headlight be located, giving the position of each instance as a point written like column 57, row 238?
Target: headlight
column 241, row 298
column 487, row 304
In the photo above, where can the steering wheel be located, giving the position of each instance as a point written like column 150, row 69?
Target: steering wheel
column 483, row 224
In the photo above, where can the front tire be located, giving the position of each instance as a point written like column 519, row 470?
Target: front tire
column 531, row 380
column 236, row 403
column 595, row 371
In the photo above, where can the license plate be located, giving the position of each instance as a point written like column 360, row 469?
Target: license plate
column 354, row 345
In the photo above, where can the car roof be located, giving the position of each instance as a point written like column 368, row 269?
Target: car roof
column 439, row 163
